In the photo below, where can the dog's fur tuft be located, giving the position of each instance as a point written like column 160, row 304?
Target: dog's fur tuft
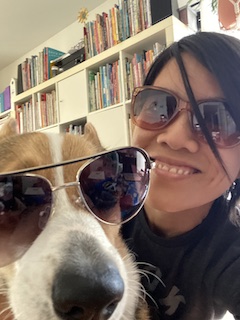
column 9, row 128
column 64, row 263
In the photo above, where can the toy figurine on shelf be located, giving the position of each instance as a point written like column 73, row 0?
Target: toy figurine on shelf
column 83, row 15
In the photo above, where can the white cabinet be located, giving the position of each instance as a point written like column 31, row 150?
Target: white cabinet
column 112, row 126
column 72, row 97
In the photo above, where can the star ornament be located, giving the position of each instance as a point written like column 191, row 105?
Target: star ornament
column 83, row 15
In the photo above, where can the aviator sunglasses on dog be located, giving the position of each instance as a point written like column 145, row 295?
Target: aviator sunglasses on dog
column 153, row 108
column 112, row 186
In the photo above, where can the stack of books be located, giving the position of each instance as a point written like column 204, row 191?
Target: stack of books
column 119, row 23
column 37, row 69
column 33, row 117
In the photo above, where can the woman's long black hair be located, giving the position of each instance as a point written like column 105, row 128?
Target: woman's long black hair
column 220, row 54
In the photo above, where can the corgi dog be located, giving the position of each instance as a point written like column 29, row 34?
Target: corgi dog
column 61, row 252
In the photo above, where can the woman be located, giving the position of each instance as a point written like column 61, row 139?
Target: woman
column 187, row 117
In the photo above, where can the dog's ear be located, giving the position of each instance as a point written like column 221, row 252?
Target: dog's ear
column 9, row 128
column 90, row 133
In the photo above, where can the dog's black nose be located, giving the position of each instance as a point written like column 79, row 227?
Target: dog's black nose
column 80, row 294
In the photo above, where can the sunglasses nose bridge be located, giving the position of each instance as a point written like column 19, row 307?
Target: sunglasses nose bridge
column 66, row 185
column 180, row 108
column 183, row 105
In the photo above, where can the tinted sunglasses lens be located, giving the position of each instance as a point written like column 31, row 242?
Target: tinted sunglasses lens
column 25, row 205
column 115, row 185
column 219, row 123
column 152, row 109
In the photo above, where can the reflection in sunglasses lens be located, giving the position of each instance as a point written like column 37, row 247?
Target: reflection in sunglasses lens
column 25, row 205
column 115, row 185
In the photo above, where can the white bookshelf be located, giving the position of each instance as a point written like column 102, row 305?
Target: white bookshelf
column 72, row 90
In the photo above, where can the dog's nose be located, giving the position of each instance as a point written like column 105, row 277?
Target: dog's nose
column 80, row 294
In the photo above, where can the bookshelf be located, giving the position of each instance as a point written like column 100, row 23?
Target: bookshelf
column 74, row 94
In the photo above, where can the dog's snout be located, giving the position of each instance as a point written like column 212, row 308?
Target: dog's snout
column 86, row 294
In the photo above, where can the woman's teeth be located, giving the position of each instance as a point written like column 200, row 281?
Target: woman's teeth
column 174, row 170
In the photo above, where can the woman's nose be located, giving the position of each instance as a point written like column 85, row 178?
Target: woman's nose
column 178, row 134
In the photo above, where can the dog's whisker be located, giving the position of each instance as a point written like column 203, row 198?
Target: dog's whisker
column 145, row 264
column 5, row 309
column 142, row 273
column 129, row 256
column 150, row 297
column 146, row 272
column 142, row 291
column 3, row 292
column 4, row 303
column 8, row 315
column 144, row 294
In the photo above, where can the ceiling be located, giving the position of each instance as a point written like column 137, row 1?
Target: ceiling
column 25, row 24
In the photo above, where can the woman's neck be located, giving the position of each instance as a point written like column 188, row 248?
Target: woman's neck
column 171, row 224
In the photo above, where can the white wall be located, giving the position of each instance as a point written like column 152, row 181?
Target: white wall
column 182, row 3
column 71, row 35
column 63, row 41
column 209, row 20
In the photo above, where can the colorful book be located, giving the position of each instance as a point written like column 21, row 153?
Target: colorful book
column 49, row 55
column 7, row 98
column 24, row 75
column 19, row 79
column 1, row 102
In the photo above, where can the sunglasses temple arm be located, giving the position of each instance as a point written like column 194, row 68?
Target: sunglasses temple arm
column 63, row 163
column 54, row 165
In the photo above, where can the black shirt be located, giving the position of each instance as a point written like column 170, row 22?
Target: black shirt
column 192, row 276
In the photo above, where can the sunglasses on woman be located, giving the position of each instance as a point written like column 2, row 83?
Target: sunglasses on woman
column 154, row 108
column 112, row 186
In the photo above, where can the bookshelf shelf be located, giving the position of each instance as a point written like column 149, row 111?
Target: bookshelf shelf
column 6, row 113
column 73, row 92
column 43, row 87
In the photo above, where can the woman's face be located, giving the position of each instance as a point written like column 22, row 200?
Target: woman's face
column 187, row 174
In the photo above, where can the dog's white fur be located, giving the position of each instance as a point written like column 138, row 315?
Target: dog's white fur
column 72, row 235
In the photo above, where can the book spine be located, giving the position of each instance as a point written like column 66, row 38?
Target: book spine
column 1, row 102
column 18, row 110
column 45, row 59
column 19, row 79
column 29, row 73
column 149, row 13
column 24, row 75
column 92, row 95
column 7, row 98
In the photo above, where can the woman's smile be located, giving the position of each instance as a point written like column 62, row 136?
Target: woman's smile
column 174, row 170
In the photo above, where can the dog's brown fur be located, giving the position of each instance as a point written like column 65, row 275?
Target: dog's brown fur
column 33, row 149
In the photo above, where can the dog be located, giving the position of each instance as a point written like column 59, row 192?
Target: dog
column 77, row 268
